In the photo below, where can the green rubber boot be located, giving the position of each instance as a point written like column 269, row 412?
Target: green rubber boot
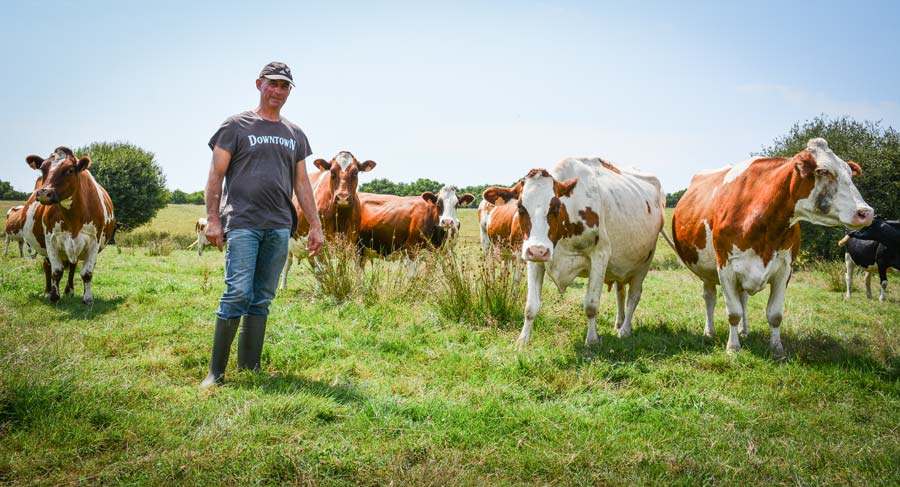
column 250, row 342
column 222, row 338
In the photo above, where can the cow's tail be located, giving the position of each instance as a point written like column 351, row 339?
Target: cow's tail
column 112, row 236
column 844, row 241
column 668, row 239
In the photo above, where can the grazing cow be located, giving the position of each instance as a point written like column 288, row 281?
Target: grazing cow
column 407, row 223
column 737, row 227
column 874, row 248
column 586, row 217
column 201, row 242
column 334, row 189
column 15, row 230
column 75, row 219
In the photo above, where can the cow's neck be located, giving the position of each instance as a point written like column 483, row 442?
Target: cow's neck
column 73, row 208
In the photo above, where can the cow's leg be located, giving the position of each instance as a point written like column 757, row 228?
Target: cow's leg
column 56, row 269
column 635, row 289
column 199, row 244
column 592, row 295
column 620, row 305
column 87, row 273
column 848, row 277
column 745, row 328
column 287, row 267
column 882, row 274
column 21, row 249
column 709, row 297
column 775, row 311
column 519, row 264
column 70, row 282
column 869, row 284
column 732, row 294
column 6, row 252
column 409, row 260
column 533, row 302
column 48, row 272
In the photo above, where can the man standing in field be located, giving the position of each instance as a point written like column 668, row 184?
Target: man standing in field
column 261, row 157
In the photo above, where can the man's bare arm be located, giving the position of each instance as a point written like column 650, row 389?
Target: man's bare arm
column 220, row 160
column 304, row 193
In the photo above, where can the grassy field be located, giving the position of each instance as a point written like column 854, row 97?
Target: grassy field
column 384, row 390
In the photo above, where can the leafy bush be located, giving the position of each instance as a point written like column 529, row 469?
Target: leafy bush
column 8, row 193
column 133, row 179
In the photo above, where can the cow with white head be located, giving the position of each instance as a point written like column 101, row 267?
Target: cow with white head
column 586, row 217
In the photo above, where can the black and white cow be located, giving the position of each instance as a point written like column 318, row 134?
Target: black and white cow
column 873, row 248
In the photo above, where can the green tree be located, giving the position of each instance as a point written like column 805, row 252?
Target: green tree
column 875, row 149
column 8, row 193
column 178, row 197
column 133, row 179
column 672, row 199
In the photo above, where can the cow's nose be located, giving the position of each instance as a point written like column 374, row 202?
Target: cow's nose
column 864, row 216
column 45, row 196
column 342, row 199
column 537, row 253
column 447, row 222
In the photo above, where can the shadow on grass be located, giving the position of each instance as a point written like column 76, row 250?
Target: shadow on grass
column 286, row 384
column 76, row 310
column 656, row 340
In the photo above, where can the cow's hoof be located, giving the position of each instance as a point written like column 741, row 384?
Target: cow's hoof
column 69, row 291
column 709, row 333
column 54, row 298
column 733, row 348
column 623, row 332
column 778, row 352
column 88, row 301
column 592, row 341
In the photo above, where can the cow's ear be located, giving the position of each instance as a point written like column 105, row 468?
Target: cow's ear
column 854, row 168
column 367, row 166
column 564, row 188
column 430, row 197
column 34, row 161
column 465, row 199
column 805, row 163
column 322, row 164
column 497, row 194
column 83, row 163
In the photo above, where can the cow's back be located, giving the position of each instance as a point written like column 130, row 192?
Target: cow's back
column 625, row 207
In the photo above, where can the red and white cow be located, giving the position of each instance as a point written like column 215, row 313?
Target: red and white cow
column 201, row 242
column 407, row 223
column 586, row 217
column 498, row 226
column 334, row 188
column 15, row 230
column 738, row 227
column 73, row 221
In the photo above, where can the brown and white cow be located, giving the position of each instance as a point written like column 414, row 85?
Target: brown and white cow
column 334, row 189
column 586, row 217
column 15, row 230
column 498, row 228
column 73, row 221
column 201, row 242
column 407, row 223
column 738, row 227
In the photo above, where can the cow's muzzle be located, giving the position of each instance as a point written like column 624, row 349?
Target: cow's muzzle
column 47, row 196
column 537, row 253
column 863, row 217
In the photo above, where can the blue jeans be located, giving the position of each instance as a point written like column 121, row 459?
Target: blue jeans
column 253, row 262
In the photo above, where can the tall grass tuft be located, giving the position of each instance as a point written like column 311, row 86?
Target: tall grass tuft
column 479, row 290
column 337, row 269
column 833, row 271
column 391, row 281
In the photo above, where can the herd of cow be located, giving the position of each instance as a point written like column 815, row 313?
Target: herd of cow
column 735, row 227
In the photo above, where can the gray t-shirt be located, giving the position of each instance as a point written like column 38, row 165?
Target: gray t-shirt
column 260, row 178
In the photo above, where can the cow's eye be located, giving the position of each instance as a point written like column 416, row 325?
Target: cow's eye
column 823, row 172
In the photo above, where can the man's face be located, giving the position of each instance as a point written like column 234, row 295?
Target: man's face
column 273, row 93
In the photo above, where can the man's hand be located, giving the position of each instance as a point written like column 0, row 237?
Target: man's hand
column 314, row 241
column 214, row 233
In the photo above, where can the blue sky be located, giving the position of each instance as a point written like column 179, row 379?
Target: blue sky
column 462, row 92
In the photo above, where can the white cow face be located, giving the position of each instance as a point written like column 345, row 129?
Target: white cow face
column 834, row 199
column 543, row 218
column 447, row 202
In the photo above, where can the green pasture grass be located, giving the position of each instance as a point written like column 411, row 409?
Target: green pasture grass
column 381, row 391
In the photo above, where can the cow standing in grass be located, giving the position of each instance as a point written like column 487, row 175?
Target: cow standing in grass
column 498, row 226
column 875, row 248
column 76, row 216
column 586, row 217
column 202, row 241
column 334, row 189
column 738, row 227
column 15, row 230
column 408, row 223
